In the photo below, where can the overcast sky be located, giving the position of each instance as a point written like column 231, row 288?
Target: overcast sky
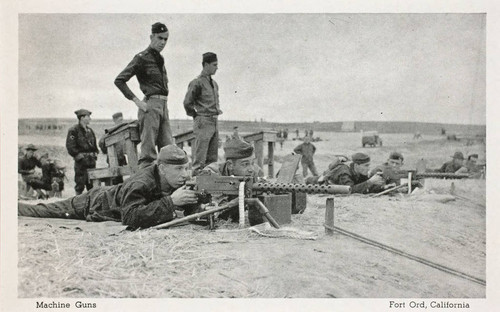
column 280, row 67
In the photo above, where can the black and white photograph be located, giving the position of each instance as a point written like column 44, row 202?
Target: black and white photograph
column 339, row 156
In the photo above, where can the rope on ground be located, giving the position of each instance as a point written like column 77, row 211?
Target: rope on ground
column 412, row 257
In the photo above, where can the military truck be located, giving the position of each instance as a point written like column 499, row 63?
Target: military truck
column 371, row 138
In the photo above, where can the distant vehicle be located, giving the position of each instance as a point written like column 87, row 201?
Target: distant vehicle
column 371, row 138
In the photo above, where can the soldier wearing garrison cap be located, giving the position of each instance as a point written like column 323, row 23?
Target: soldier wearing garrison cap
column 239, row 162
column 81, row 145
column 354, row 174
column 149, row 68
column 453, row 165
column 149, row 197
column 202, row 103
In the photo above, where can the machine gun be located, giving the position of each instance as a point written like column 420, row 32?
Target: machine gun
column 246, row 189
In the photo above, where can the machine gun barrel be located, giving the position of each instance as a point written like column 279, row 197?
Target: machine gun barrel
column 301, row 188
column 441, row 175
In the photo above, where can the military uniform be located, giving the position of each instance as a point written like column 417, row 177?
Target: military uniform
column 307, row 151
column 202, row 103
column 154, row 125
column 26, row 166
column 51, row 173
column 451, row 166
column 81, row 145
column 142, row 201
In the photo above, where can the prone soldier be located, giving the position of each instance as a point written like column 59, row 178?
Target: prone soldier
column 149, row 197
column 81, row 145
column 354, row 174
column 453, row 165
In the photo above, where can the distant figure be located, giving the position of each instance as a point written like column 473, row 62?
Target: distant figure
column 119, row 148
column 306, row 133
column 311, row 133
column 27, row 163
column 285, row 134
column 453, row 165
column 297, row 133
column 307, row 150
column 236, row 135
column 417, row 136
column 443, row 131
column 148, row 66
column 279, row 134
column 202, row 103
column 81, row 145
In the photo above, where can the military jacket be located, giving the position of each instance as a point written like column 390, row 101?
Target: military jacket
column 344, row 174
column 449, row 167
column 80, row 140
column 138, row 202
column 202, row 97
column 307, row 151
column 149, row 68
column 27, row 164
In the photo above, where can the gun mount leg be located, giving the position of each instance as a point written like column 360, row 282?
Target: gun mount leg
column 329, row 216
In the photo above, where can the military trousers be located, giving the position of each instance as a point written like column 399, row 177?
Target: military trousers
column 76, row 207
column 206, row 145
column 82, row 176
column 308, row 164
column 154, row 126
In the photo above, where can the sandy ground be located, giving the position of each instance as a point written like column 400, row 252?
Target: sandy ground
column 70, row 258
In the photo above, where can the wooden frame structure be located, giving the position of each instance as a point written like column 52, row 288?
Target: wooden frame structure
column 128, row 133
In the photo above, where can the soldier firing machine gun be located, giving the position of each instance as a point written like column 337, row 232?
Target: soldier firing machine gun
column 260, row 194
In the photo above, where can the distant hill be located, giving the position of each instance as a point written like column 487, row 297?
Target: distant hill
column 58, row 126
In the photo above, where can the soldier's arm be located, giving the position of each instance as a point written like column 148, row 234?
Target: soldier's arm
column 72, row 144
column 94, row 145
column 102, row 145
column 125, row 75
column 298, row 149
column 193, row 92
column 137, row 212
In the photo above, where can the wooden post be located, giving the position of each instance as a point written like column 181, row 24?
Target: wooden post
column 132, row 155
column 270, row 159
column 259, row 153
column 329, row 215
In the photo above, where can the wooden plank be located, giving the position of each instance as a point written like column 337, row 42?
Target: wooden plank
column 132, row 158
column 112, row 157
column 270, row 136
column 101, row 173
column 270, row 159
column 183, row 137
column 288, row 168
column 254, row 137
column 116, row 137
column 259, row 153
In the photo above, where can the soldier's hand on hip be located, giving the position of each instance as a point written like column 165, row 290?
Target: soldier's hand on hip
column 183, row 196
column 141, row 104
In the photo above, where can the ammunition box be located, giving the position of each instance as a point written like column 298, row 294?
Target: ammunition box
column 279, row 206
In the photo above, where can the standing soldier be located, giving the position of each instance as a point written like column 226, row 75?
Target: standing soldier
column 307, row 150
column 202, row 103
column 81, row 145
column 148, row 66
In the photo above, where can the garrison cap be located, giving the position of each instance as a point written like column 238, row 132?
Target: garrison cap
column 172, row 155
column 360, row 158
column 458, row 155
column 117, row 115
column 82, row 112
column 158, row 28
column 396, row 156
column 31, row 147
column 237, row 149
column 209, row 57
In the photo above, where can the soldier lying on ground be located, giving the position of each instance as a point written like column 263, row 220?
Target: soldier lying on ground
column 147, row 198
column 239, row 162
column 391, row 170
column 453, row 165
column 355, row 174
column 471, row 167
column 52, row 180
